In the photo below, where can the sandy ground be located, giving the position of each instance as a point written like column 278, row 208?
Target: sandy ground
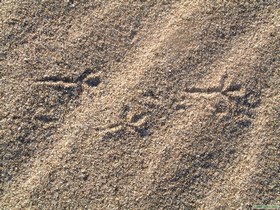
column 139, row 104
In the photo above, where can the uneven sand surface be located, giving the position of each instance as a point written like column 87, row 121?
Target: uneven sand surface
column 135, row 104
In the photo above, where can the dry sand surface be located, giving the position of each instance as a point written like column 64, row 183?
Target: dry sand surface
column 134, row 104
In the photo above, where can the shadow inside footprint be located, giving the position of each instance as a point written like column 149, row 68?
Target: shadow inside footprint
column 45, row 118
column 84, row 75
column 143, row 132
column 93, row 82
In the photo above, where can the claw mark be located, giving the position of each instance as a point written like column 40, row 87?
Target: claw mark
column 242, row 103
column 68, row 83
column 113, row 132
column 56, row 79
column 137, row 117
column 209, row 90
column 73, row 88
column 229, row 91
column 84, row 75
column 232, row 88
column 45, row 118
column 204, row 90
column 137, row 123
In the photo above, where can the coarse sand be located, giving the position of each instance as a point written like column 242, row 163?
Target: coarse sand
column 134, row 104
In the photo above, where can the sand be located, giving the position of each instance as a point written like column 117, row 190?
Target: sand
column 139, row 104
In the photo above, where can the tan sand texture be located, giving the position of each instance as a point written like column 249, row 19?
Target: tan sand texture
column 137, row 104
